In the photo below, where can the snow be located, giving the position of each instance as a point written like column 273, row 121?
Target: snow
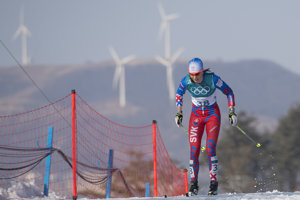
column 15, row 192
column 275, row 195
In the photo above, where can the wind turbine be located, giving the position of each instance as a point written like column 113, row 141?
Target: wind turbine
column 24, row 32
column 119, row 75
column 165, row 28
column 168, row 61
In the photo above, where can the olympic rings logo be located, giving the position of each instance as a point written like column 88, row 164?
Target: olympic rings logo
column 200, row 90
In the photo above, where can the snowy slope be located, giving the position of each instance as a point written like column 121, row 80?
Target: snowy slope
column 251, row 196
column 275, row 195
column 16, row 191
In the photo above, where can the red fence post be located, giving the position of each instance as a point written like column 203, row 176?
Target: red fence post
column 154, row 158
column 74, row 143
column 186, row 181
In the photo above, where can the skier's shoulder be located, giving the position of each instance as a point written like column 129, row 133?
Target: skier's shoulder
column 210, row 74
column 214, row 77
column 185, row 78
column 208, row 71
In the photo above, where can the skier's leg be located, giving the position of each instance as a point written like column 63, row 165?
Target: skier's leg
column 213, row 123
column 196, row 129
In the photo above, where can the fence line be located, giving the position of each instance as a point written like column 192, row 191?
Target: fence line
column 85, row 137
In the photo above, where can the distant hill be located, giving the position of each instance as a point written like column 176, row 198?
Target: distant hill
column 262, row 88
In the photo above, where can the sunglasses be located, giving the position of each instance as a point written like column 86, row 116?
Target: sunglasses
column 195, row 74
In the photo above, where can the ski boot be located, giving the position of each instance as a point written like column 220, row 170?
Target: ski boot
column 213, row 188
column 193, row 189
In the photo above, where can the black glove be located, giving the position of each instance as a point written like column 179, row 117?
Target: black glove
column 178, row 119
column 232, row 117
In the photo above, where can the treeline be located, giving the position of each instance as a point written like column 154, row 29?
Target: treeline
column 273, row 166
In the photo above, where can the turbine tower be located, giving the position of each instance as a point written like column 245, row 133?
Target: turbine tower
column 119, row 75
column 24, row 32
column 168, row 61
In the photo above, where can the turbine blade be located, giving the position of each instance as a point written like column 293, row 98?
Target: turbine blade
column 162, row 29
column 26, row 31
column 172, row 16
column 177, row 54
column 163, row 24
column 17, row 33
column 114, row 54
column 162, row 61
column 127, row 59
column 161, row 11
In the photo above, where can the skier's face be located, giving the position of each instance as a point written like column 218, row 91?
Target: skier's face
column 197, row 78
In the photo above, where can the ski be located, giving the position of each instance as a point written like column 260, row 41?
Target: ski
column 190, row 194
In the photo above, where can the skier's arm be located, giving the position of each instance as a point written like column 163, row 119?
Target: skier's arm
column 221, row 85
column 179, row 102
column 179, row 94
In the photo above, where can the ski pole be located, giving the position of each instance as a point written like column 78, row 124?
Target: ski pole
column 202, row 148
column 257, row 144
column 184, row 128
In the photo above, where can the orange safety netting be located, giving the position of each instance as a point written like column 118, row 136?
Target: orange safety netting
column 23, row 149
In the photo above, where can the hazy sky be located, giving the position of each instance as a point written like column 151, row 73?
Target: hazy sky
column 79, row 31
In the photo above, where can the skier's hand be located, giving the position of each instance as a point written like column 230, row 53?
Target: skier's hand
column 232, row 117
column 178, row 119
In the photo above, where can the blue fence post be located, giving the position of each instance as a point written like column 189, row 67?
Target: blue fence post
column 48, row 161
column 109, row 178
column 147, row 190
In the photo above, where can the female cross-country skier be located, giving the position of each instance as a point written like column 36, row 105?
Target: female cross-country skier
column 202, row 85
